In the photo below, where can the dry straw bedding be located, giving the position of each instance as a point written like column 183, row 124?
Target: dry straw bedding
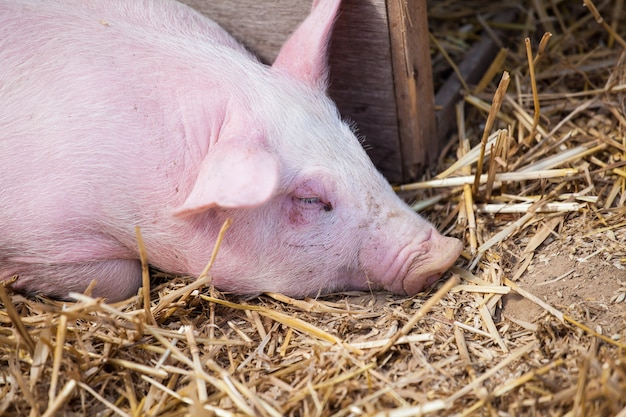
column 553, row 188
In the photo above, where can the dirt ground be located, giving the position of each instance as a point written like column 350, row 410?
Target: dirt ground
column 581, row 277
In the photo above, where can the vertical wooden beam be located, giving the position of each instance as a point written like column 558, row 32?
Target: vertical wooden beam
column 415, row 105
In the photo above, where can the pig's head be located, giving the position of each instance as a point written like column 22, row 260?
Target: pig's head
column 311, row 214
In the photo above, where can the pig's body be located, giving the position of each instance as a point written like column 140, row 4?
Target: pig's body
column 132, row 112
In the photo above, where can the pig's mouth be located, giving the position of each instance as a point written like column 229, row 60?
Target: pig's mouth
column 414, row 283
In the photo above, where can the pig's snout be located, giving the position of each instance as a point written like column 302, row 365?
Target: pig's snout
column 426, row 270
column 413, row 266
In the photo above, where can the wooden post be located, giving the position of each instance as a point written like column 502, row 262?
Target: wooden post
column 412, row 69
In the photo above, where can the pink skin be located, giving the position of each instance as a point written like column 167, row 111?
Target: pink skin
column 112, row 117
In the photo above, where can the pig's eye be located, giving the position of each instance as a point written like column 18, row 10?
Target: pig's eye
column 311, row 201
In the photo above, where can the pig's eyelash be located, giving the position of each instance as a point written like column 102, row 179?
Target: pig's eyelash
column 309, row 200
column 316, row 200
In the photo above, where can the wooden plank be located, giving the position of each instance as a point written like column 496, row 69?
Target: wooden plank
column 408, row 26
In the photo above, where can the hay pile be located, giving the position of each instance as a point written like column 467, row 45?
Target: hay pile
column 551, row 195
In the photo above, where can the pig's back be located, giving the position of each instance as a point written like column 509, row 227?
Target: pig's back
column 150, row 17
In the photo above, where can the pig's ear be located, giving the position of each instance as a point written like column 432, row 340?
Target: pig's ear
column 234, row 174
column 305, row 54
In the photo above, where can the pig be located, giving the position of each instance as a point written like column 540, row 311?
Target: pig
column 124, row 113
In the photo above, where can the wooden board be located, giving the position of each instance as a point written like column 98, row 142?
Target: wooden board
column 415, row 103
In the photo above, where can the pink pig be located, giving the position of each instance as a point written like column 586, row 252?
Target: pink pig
column 144, row 112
